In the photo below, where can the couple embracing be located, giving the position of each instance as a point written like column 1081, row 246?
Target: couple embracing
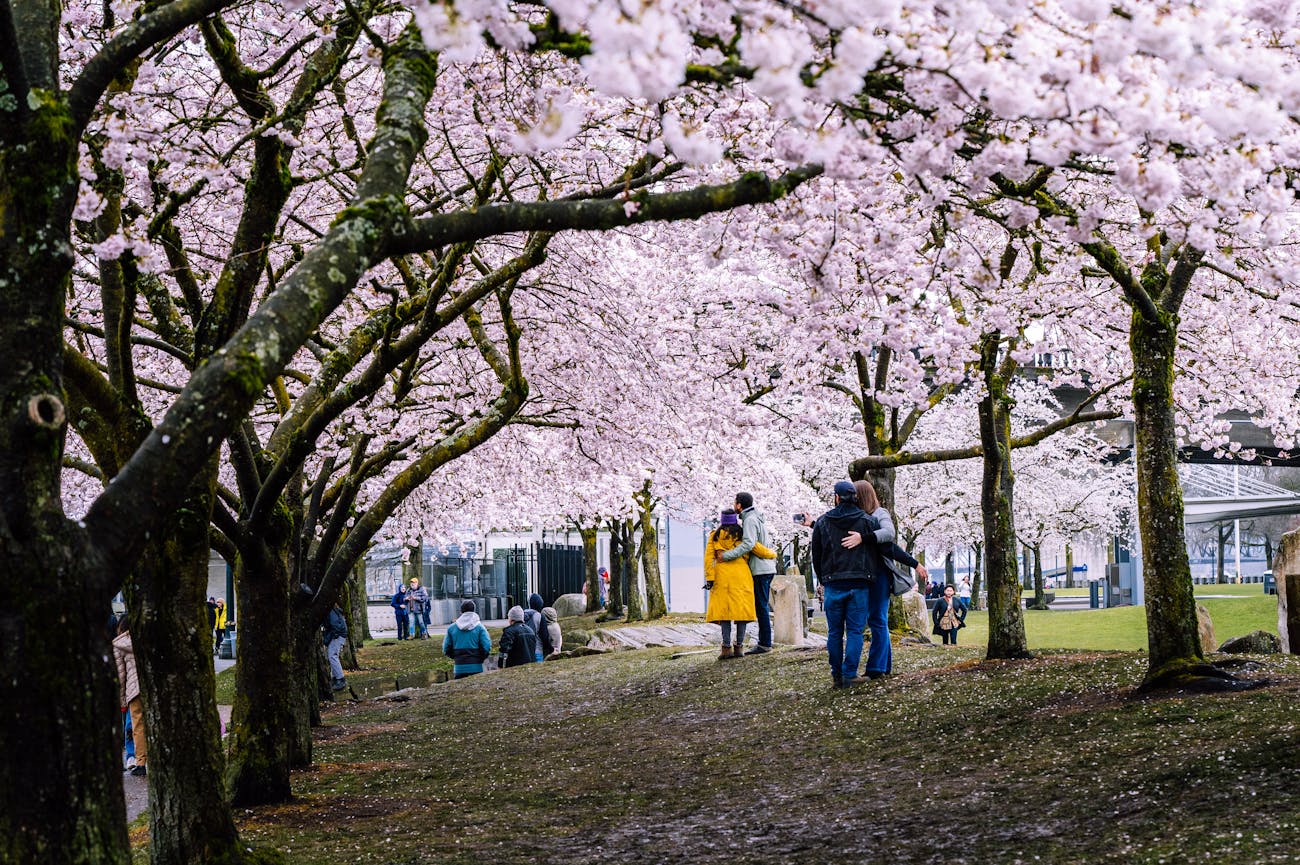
column 850, row 543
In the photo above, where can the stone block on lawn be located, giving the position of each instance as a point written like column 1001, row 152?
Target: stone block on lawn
column 1254, row 643
column 916, row 615
column 789, row 619
column 572, row 604
column 1205, row 627
column 368, row 689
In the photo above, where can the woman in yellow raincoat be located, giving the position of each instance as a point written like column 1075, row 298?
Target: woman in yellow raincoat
column 731, row 595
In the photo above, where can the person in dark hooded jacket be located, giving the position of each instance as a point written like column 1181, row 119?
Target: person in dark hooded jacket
column 518, row 642
column 535, row 619
column 846, row 574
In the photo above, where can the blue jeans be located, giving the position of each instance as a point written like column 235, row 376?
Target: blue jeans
column 419, row 624
column 763, row 608
column 880, row 657
column 846, row 616
column 335, row 646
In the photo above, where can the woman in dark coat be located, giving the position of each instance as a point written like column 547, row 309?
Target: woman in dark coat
column 949, row 616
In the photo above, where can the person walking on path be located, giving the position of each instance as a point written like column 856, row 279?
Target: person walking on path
column 335, row 633
column 518, row 643
column 753, row 532
column 467, row 643
column 417, row 600
column 534, row 619
column 730, row 583
column 398, row 603
column 128, row 683
column 949, row 616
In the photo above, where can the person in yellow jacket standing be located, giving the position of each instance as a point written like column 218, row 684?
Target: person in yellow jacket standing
column 730, row 584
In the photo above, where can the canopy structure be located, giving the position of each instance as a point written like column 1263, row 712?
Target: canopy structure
column 1212, row 495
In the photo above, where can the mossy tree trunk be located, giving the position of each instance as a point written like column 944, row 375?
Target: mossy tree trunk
column 1006, row 621
column 1069, row 566
column 592, row 574
column 1172, row 635
column 977, row 581
column 631, row 585
column 656, row 606
column 617, row 553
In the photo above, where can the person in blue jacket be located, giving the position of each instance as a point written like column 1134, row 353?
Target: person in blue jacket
column 467, row 643
column 399, row 612
column 335, row 633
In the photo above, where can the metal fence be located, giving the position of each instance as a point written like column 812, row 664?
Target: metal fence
column 561, row 570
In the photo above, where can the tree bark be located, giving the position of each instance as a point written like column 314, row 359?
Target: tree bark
column 977, row 581
column 1220, row 553
column 616, row 555
column 656, row 607
column 1069, row 566
column 1173, row 640
column 263, row 716
column 589, row 537
column 631, row 586
column 1006, row 621
column 189, row 816
column 1040, row 593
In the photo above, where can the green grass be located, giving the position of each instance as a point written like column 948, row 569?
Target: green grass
column 1124, row 628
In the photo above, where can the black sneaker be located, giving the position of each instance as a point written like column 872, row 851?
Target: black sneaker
column 759, row 650
column 340, row 684
column 139, row 771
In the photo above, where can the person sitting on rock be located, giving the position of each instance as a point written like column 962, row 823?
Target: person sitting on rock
column 467, row 643
column 518, row 642
column 552, row 628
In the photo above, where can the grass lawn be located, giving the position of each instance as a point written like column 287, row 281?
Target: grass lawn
column 636, row 757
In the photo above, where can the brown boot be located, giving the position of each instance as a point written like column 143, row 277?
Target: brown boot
column 726, row 653
column 738, row 651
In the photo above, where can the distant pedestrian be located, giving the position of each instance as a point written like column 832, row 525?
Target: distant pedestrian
column 552, row 626
column 335, row 634
column 400, row 613
column 603, row 573
column 128, row 683
column 949, row 616
column 212, row 613
column 417, row 602
column 753, row 532
column 518, row 643
column 219, row 624
column 730, row 584
column 534, row 619
column 964, row 591
column 467, row 643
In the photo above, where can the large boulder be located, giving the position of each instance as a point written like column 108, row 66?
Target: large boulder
column 916, row 615
column 1254, row 643
column 573, row 604
column 789, row 610
column 1205, row 627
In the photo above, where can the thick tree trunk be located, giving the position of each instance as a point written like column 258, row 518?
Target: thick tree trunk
column 977, row 581
column 61, row 777
column 589, row 562
column 1173, row 640
column 258, row 772
column 656, row 607
column 360, row 624
column 616, row 555
column 189, row 816
column 1006, row 620
column 949, row 570
column 305, row 688
column 1069, row 566
column 631, row 586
